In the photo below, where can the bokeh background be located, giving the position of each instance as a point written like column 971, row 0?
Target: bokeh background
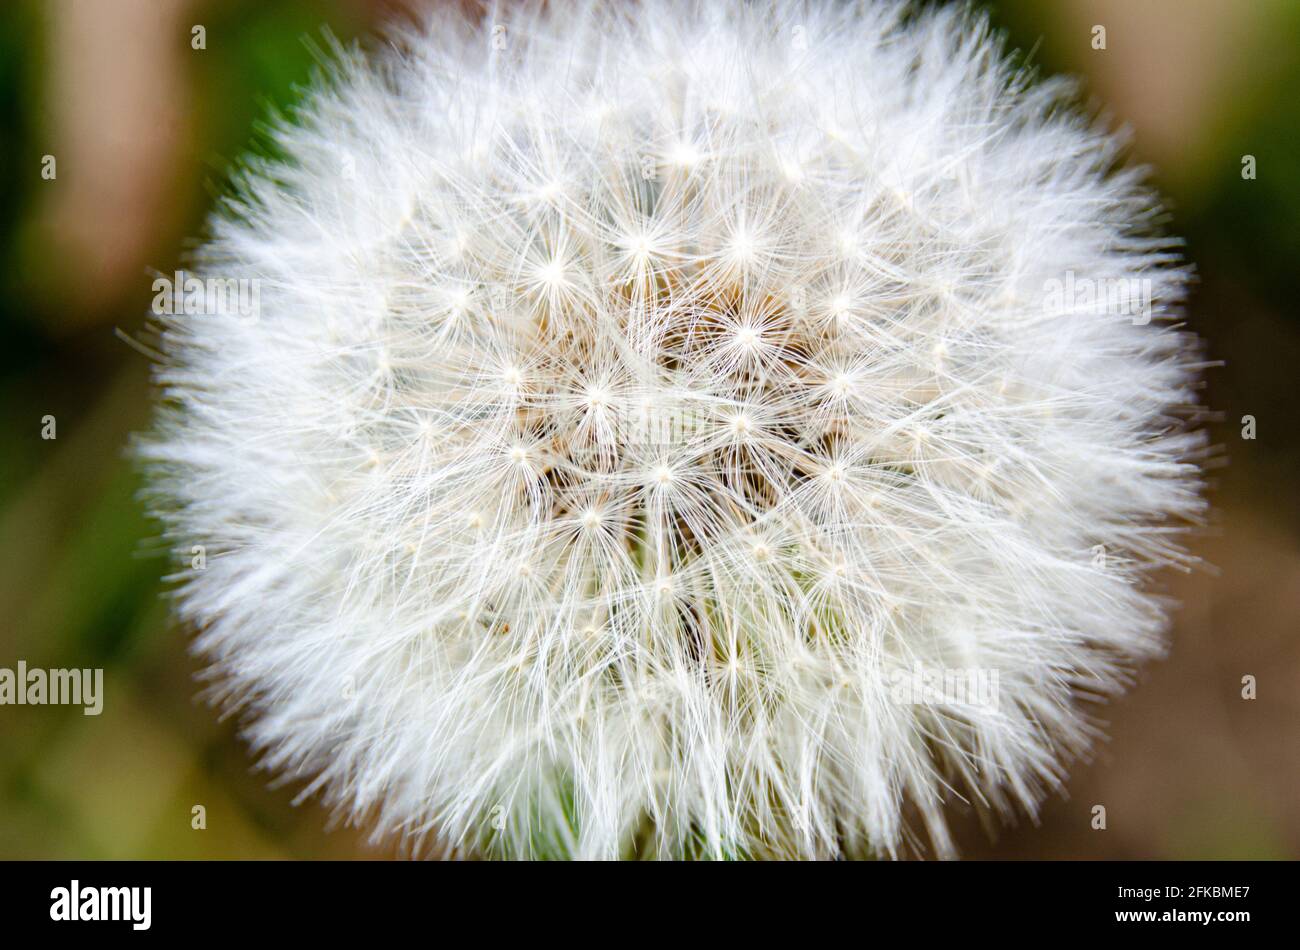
column 143, row 127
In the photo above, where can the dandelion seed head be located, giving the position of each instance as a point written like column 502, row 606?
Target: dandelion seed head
column 619, row 544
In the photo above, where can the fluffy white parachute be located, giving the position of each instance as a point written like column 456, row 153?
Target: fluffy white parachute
column 681, row 429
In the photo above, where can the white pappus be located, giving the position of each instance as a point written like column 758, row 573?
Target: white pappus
column 644, row 397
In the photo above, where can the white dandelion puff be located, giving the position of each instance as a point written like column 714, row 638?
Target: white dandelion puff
column 653, row 412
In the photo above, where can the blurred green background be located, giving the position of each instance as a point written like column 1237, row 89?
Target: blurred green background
column 143, row 126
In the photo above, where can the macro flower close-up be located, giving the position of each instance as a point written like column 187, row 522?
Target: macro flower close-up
column 653, row 413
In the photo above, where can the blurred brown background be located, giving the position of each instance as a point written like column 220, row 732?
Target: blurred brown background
column 142, row 126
